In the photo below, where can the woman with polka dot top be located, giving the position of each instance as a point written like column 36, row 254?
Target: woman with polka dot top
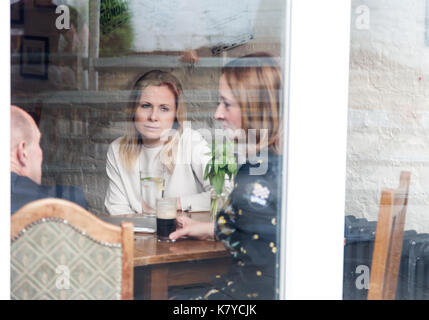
column 250, row 95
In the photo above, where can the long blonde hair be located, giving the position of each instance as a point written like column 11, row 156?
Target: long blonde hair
column 131, row 143
column 255, row 81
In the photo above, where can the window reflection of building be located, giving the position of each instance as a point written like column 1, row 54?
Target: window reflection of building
column 38, row 19
column 67, row 49
column 173, row 25
column 388, row 125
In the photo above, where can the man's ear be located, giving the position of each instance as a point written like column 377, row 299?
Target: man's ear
column 22, row 154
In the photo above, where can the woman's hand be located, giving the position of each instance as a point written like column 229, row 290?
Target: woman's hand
column 192, row 228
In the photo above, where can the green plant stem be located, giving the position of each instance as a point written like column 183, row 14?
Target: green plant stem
column 213, row 208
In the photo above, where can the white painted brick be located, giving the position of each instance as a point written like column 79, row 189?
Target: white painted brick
column 388, row 124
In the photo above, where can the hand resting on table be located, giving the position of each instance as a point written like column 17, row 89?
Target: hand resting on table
column 192, row 228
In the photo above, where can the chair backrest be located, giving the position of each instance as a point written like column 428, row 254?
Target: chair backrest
column 387, row 252
column 61, row 251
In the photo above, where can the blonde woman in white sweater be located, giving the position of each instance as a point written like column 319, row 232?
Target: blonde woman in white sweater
column 155, row 141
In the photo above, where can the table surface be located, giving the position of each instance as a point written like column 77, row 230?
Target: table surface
column 180, row 263
column 148, row 251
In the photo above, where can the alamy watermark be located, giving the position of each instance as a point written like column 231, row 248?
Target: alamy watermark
column 63, row 20
column 362, row 281
column 248, row 148
column 363, row 19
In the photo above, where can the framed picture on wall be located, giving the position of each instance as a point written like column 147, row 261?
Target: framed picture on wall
column 17, row 13
column 44, row 3
column 34, row 57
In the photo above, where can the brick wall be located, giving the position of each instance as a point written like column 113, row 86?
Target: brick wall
column 388, row 128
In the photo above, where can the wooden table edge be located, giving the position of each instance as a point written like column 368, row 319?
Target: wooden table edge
column 147, row 261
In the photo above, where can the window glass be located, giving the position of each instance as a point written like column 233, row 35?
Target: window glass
column 387, row 135
column 102, row 79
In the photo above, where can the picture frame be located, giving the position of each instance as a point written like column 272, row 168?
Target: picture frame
column 43, row 4
column 17, row 13
column 34, row 57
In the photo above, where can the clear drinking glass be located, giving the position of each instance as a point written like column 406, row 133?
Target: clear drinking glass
column 152, row 185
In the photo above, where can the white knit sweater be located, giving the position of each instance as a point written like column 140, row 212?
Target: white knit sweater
column 124, row 195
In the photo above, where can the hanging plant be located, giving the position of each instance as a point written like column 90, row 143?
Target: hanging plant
column 116, row 33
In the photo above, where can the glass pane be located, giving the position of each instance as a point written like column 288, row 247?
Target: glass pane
column 133, row 99
column 387, row 135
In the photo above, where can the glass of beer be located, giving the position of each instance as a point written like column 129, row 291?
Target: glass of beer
column 166, row 212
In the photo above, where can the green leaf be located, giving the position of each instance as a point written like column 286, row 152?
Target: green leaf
column 232, row 167
column 220, row 171
column 217, row 183
column 207, row 171
column 223, row 163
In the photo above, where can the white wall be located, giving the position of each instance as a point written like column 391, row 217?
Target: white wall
column 388, row 108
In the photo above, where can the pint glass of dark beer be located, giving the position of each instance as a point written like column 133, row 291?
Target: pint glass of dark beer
column 166, row 211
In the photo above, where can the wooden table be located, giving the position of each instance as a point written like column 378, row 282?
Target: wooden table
column 177, row 263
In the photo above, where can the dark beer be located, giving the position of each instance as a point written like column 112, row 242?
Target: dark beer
column 165, row 218
column 164, row 227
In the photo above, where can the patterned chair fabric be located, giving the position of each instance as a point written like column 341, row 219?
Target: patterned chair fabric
column 51, row 259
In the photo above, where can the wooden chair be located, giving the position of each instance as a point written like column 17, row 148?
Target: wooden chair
column 61, row 251
column 386, row 256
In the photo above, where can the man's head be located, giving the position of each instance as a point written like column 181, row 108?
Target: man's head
column 25, row 153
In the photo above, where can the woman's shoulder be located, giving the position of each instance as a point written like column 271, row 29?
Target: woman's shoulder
column 266, row 164
column 115, row 145
column 192, row 136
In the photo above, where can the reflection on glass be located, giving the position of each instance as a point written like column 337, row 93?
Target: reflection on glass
column 388, row 130
column 76, row 81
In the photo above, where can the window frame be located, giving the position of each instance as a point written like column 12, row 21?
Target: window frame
column 318, row 62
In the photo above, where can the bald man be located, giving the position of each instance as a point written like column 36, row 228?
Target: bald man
column 26, row 158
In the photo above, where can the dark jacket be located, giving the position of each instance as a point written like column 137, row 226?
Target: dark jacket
column 249, row 227
column 24, row 190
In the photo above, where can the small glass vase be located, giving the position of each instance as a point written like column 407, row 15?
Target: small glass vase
column 217, row 203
